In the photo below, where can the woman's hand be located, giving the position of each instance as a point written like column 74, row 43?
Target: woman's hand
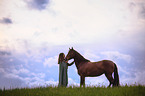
column 70, row 63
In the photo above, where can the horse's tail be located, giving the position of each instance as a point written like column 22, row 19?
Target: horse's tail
column 116, row 76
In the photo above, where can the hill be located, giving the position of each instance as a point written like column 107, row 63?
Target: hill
column 138, row 90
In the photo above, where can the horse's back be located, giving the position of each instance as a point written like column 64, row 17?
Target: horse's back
column 106, row 66
column 96, row 68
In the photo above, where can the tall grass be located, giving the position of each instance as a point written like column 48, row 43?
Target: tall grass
column 138, row 90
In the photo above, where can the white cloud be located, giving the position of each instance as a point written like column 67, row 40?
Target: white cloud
column 38, row 75
column 52, row 61
column 51, row 83
column 10, row 80
column 72, row 82
column 20, row 78
column 90, row 22
column 114, row 55
column 139, row 78
column 34, row 80
column 21, row 71
column 91, row 55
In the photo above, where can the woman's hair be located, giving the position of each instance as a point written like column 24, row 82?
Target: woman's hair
column 61, row 57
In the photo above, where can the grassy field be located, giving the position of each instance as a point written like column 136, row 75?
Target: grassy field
column 138, row 90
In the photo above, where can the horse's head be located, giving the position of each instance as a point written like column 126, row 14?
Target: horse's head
column 70, row 55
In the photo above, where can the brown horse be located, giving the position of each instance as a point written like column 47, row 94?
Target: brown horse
column 92, row 69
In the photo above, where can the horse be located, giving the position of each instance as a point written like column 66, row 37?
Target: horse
column 86, row 68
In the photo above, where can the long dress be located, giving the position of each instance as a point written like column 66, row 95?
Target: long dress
column 63, row 78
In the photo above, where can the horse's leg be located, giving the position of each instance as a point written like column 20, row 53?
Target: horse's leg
column 82, row 81
column 110, row 78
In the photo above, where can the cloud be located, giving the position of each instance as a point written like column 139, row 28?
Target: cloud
column 72, row 82
column 6, row 21
column 131, row 6
column 20, row 78
column 51, row 83
column 52, row 61
column 138, row 7
column 142, row 10
column 10, row 80
column 4, row 53
column 132, row 76
column 114, row 55
column 90, row 55
column 35, row 79
column 140, row 77
column 37, row 4
column 21, row 71
column 17, row 70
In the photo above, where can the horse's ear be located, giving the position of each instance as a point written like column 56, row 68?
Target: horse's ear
column 72, row 48
column 69, row 48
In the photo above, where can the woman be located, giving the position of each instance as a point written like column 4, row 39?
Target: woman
column 63, row 66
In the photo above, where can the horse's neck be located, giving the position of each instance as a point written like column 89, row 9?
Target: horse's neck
column 77, row 62
column 78, row 59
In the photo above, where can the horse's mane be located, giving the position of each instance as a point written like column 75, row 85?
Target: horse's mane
column 81, row 58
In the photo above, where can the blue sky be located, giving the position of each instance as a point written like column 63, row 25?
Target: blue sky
column 34, row 32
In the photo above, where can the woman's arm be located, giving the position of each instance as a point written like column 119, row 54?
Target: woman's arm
column 70, row 63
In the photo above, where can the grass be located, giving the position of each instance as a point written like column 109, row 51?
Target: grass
column 135, row 90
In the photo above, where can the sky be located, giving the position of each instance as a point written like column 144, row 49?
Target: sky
column 34, row 32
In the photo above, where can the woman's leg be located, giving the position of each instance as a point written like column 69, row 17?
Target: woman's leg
column 65, row 77
column 60, row 75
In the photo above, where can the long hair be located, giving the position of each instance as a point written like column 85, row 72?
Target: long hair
column 61, row 57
